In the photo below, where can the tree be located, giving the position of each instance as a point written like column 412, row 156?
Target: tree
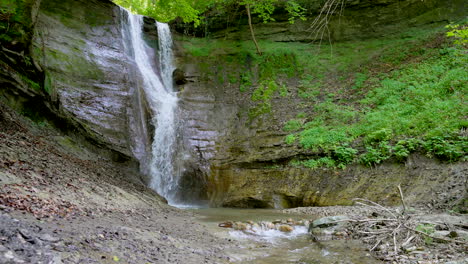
column 190, row 11
column 164, row 10
column 264, row 9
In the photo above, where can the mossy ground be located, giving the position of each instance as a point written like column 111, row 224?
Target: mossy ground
column 362, row 101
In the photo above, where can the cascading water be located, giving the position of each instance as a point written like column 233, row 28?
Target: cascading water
column 162, row 101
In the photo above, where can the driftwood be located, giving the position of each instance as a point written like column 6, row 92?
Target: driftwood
column 394, row 234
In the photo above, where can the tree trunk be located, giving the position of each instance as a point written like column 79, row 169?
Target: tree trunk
column 252, row 30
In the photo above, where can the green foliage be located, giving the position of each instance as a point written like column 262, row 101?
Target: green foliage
column 292, row 125
column 322, row 137
column 283, row 90
column 428, row 229
column 265, row 91
column 344, row 154
column 309, row 89
column 459, row 34
column 274, row 65
column 166, row 10
column 317, row 163
column 295, row 11
column 384, row 134
column 376, row 154
column 405, row 147
column 192, row 11
column 15, row 21
column 410, row 108
column 301, row 115
column 359, row 80
column 246, row 81
column 290, row 139
column 448, row 147
column 260, row 109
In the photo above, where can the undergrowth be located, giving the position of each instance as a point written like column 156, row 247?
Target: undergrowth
column 367, row 102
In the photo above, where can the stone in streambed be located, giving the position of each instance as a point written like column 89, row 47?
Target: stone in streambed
column 329, row 221
column 240, row 226
column 225, row 225
column 285, row 228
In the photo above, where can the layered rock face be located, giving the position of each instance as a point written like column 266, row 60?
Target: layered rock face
column 242, row 164
column 245, row 163
column 79, row 46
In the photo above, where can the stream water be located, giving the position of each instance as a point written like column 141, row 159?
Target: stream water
column 275, row 247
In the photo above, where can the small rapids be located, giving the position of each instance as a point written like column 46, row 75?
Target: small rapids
column 263, row 244
column 261, row 233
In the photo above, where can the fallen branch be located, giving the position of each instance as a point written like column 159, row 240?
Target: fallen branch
column 402, row 199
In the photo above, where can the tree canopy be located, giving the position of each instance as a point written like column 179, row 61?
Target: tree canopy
column 192, row 10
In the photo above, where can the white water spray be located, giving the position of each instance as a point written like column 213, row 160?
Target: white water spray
column 162, row 101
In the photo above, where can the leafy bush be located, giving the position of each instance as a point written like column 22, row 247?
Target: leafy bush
column 322, row 137
column 344, row 155
column 379, row 136
column 245, row 82
column 290, row 139
column 359, row 80
column 450, row 148
column 458, row 33
column 322, row 162
column 292, row 125
column 376, row 155
column 405, row 147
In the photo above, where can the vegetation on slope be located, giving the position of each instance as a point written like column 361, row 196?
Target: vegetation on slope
column 362, row 101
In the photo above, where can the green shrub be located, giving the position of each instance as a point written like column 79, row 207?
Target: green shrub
column 344, row 154
column 376, row 155
column 322, row 162
column 379, row 136
column 290, row 139
column 292, row 125
column 322, row 137
column 265, row 91
column 449, row 148
column 359, row 80
column 245, row 82
column 458, row 33
column 405, row 147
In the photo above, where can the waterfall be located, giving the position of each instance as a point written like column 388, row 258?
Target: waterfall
column 162, row 100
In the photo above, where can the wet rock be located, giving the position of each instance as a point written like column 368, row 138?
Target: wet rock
column 226, row 225
column 240, row 226
column 286, row 228
column 179, row 77
column 329, row 221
